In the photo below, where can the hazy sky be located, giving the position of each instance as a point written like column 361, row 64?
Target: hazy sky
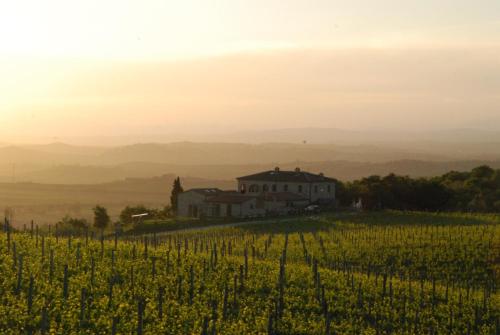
column 114, row 67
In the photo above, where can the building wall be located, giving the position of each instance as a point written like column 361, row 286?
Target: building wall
column 246, row 209
column 234, row 210
column 252, row 209
column 312, row 191
column 283, row 207
column 189, row 199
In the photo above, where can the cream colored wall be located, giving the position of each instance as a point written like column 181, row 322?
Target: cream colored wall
column 249, row 208
column 308, row 189
column 246, row 209
column 190, row 198
column 280, row 207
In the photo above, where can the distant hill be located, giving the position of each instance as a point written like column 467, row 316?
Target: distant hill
column 351, row 137
column 237, row 153
column 313, row 135
column 60, row 163
column 47, row 203
column 343, row 170
column 245, row 153
column 67, row 149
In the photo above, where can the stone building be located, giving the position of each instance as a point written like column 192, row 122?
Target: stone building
column 316, row 188
column 192, row 203
column 273, row 192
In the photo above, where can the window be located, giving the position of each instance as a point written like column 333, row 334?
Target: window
column 300, row 188
column 243, row 188
column 265, row 188
column 254, row 188
column 315, row 188
column 329, row 188
column 285, row 188
column 274, row 187
column 216, row 210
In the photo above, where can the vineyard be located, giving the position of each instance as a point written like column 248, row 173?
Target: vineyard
column 388, row 273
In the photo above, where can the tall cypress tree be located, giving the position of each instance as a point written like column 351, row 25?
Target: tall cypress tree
column 101, row 217
column 176, row 189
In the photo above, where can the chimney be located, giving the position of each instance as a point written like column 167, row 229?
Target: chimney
column 321, row 174
column 277, row 169
column 297, row 169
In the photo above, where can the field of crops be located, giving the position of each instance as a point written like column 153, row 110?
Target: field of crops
column 386, row 273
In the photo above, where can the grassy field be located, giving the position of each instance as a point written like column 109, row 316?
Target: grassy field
column 372, row 273
column 49, row 203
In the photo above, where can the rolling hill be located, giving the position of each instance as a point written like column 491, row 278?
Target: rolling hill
column 48, row 203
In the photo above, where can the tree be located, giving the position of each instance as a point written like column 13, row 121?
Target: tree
column 482, row 172
column 101, row 217
column 430, row 195
column 127, row 212
column 164, row 213
column 477, row 190
column 69, row 225
column 176, row 190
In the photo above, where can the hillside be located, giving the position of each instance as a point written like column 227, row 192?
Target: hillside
column 60, row 163
column 47, row 203
column 343, row 170
column 199, row 153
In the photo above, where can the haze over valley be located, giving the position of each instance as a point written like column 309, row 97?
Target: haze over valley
column 48, row 181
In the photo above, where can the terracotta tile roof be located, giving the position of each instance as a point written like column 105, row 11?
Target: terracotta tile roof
column 230, row 197
column 205, row 191
column 282, row 196
column 287, row 176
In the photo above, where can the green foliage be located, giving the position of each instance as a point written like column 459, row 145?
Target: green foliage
column 164, row 213
column 169, row 224
column 129, row 211
column 101, row 217
column 176, row 190
column 69, row 225
column 376, row 273
column 477, row 191
column 153, row 214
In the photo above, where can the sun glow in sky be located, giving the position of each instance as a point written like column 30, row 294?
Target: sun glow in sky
column 93, row 66
column 138, row 29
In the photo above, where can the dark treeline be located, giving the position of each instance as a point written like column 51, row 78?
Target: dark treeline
column 477, row 190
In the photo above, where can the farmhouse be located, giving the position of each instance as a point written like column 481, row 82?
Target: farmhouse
column 273, row 192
